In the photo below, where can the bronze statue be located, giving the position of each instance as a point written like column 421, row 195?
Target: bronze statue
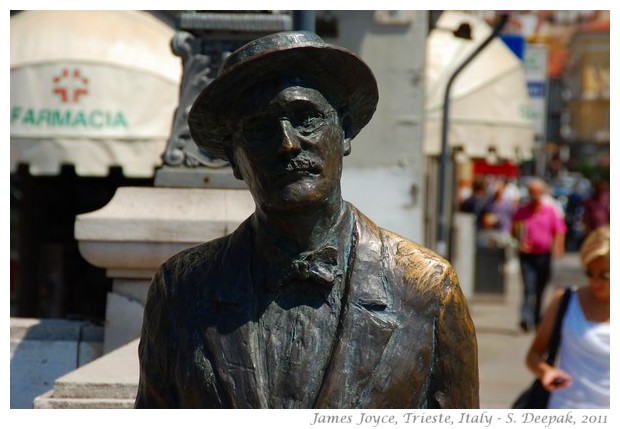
column 308, row 304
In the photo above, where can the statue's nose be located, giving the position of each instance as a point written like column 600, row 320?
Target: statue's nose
column 290, row 139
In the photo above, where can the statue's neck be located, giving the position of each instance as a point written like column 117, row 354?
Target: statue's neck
column 300, row 230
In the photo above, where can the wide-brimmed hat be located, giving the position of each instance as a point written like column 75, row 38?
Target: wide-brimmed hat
column 347, row 81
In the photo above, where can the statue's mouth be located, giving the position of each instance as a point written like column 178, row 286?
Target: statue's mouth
column 299, row 167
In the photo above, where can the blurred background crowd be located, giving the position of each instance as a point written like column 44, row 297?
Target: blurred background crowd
column 584, row 205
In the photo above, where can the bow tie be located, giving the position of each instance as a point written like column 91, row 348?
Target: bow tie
column 318, row 266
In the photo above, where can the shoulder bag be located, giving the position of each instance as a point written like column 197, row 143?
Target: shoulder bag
column 536, row 396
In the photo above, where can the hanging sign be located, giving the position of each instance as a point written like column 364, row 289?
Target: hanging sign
column 89, row 100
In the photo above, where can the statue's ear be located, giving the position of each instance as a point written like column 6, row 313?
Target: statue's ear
column 345, row 122
column 236, row 172
column 231, row 159
column 347, row 146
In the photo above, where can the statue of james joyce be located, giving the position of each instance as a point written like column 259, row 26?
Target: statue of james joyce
column 308, row 304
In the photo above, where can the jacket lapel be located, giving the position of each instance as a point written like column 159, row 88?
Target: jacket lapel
column 366, row 326
column 230, row 334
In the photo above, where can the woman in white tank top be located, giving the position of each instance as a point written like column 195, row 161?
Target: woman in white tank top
column 580, row 378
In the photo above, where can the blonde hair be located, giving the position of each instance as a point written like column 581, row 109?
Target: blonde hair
column 596, row 244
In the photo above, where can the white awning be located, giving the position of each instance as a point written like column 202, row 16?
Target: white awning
column 489, row 101
column 94, row 89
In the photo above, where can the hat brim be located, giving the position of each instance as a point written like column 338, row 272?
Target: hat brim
column 347, row 80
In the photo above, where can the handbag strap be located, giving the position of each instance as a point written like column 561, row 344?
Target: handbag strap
column 557, row 327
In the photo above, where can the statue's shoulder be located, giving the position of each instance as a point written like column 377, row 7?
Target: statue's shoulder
column 423, row 273
column 416, row 265
column 207, row 259
column 412, row 266
column 201, row 255
column 409, row 252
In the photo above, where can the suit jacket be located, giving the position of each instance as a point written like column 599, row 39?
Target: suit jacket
column 405, row 337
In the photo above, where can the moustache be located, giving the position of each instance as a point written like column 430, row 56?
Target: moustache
column 299, row 164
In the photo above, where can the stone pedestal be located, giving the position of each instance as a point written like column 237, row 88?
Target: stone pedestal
column 108, row 382
column 141, row 228
column 464, row 251
column 131, row 237
column 44, row 349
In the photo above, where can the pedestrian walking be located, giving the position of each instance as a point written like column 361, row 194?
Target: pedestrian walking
column 596, row 208
column 502, row 208
column 476, row 201
column 540, row 232
column 581, row 379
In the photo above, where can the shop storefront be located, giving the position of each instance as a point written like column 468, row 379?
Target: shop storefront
column 92, row 99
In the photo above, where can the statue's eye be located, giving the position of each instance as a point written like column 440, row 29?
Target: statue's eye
column 259, row 128
column 307, row 121
column 262, row 128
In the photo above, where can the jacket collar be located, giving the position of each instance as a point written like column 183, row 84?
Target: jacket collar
column 366, row 248
column 369, row 255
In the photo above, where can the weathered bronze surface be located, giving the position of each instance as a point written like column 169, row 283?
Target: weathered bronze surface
column 308, row 304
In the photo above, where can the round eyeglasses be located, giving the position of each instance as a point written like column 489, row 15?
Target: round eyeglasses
column 266, row 126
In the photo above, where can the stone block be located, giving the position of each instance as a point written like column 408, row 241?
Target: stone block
column 123, row 321
column 43, row 350
column 108, row 382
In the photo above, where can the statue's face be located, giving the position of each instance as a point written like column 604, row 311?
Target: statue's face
column 289, row 147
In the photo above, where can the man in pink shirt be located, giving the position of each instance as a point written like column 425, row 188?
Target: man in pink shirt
column 541, row 232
